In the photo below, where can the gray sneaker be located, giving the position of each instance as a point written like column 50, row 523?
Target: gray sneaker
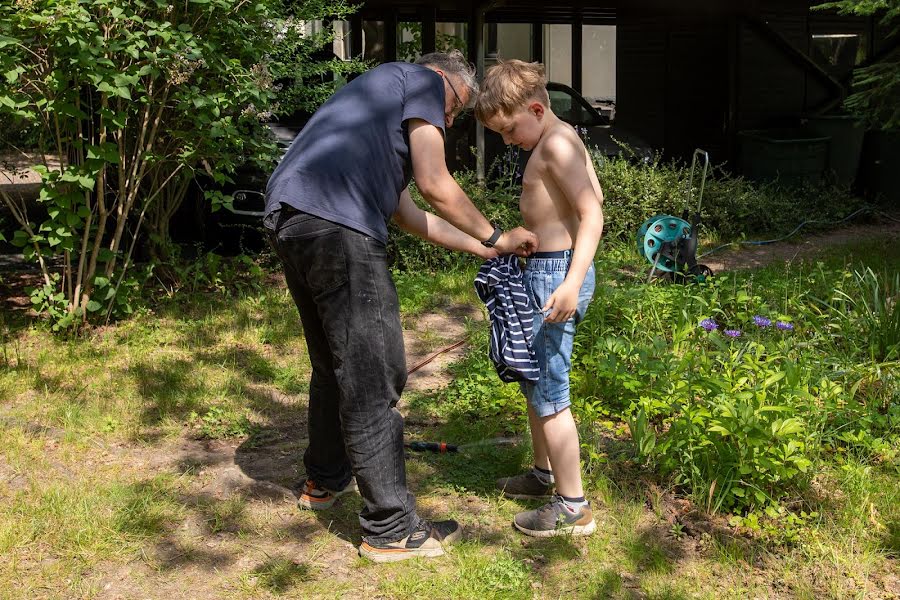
column 526, row 486
column 555, row 519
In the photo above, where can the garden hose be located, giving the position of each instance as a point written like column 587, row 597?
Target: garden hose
column 799, row 227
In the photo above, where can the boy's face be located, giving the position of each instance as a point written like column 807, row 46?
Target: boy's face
column 522, row 128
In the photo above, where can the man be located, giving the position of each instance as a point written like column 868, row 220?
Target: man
column 328, row 204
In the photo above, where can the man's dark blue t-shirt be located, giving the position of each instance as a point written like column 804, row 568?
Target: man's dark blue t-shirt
column 352, row 160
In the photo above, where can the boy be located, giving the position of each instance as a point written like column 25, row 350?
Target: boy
column 562, row 203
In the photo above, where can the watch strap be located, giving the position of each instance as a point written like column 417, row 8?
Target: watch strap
column 489, row 243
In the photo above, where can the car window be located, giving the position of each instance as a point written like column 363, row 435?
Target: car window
column 570, row 110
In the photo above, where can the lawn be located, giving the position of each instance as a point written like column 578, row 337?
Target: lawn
column 155, row 457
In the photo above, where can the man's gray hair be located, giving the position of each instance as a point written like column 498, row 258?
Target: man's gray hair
column 454, row 63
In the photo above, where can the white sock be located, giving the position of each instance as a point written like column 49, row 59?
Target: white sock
column 574, row 505
column 543, row 477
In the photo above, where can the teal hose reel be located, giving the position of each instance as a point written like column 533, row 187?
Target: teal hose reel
column 669, row 243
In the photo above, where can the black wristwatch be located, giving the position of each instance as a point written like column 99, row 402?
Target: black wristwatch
column 489, row 243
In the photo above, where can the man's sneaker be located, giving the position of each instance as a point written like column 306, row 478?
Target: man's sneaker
column 427, row 540
column 554, row 518
column 526, row 486
column 315, row 497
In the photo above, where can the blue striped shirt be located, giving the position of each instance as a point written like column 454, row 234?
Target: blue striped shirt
column 499, row 285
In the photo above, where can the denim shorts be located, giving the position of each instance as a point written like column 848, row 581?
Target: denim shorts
column 553, row 341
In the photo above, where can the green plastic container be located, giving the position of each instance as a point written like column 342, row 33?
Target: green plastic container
column 844, row 151
column 792, row 156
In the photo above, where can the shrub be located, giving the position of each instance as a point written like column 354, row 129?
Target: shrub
column 732, row 207
column 728, row 395
column 132, row 96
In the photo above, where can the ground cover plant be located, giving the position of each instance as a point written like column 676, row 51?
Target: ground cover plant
column 156, row 455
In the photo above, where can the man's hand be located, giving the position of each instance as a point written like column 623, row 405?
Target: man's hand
column 488, row 253
column 561, row 304
column 518, row 241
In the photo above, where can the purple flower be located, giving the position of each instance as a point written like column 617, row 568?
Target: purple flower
column 709, row 324
column 762, row 321
column 784, row 326
column 733, row 333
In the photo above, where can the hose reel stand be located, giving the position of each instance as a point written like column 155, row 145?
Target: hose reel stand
column 669, row 243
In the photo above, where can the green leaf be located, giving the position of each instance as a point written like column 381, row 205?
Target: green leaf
column 20, row 238
column 93, row 306
column 13, row 76
column 773, row 379
column 719, row 429
column 802, row 463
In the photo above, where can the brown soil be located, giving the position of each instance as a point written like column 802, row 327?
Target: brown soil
column 800, row 247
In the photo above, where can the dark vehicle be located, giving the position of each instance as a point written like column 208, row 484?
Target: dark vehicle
column 240, row 229
column 595, row 129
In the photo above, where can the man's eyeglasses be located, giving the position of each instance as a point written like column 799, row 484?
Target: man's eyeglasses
column 460, row 105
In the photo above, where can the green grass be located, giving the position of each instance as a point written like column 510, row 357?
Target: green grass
column 109, row 475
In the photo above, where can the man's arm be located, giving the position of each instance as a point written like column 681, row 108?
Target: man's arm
column 442, row 192
column 414, row 220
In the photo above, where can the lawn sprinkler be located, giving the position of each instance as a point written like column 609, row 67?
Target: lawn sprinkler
column 670, row 243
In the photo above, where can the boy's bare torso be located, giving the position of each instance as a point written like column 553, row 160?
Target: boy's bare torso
column 544, row 207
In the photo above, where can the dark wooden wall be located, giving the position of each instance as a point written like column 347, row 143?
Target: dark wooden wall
column 691, row 73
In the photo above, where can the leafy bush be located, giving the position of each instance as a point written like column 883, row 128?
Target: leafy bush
column 732, row 206
column 724, row 384
column 132, row 97
column 876, row 87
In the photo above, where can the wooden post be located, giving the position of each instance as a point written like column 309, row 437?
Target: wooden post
column 476, row 56
column 390, row 36
column 429, row 35
column 577, row 50
column 537, row 42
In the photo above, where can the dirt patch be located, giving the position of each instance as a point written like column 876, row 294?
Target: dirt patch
column 799, row 248
column 431, row 338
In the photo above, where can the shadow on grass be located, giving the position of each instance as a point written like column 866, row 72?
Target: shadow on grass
column 280, row 574
column 168, row 387
column 204, row 530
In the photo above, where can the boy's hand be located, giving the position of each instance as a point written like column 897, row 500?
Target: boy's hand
column 518, row 241
column 561, row 304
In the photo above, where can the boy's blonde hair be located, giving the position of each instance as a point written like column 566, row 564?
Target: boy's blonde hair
column 508, row 86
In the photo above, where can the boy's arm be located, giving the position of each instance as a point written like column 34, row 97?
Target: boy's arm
column 412, row 219
column 566, row 160
column 442, row 192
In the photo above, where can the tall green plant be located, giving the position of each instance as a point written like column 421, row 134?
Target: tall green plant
column 876, row 87
column 132, row 96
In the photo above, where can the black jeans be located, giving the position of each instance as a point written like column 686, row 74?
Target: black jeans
column 340, row 282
